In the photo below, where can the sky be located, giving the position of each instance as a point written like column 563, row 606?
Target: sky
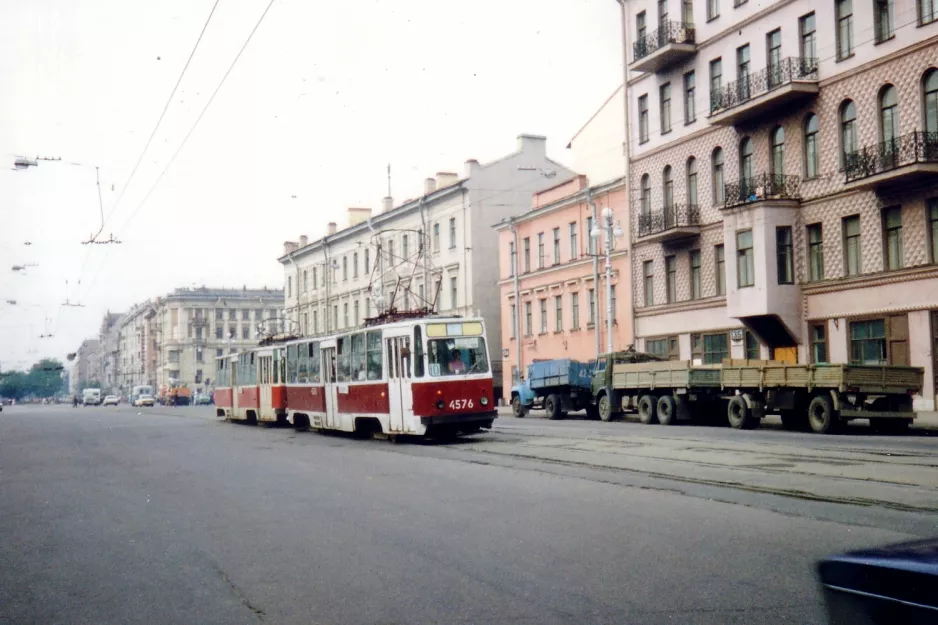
column 323, row 98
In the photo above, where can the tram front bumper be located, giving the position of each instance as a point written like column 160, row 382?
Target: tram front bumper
column 475, row 418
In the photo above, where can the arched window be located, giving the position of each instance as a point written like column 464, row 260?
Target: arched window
column 811, row 158
column 646, row 195
column 719, row 182
column 692, row 181
column 778, row 151
column 888, row 115
column 848, row 129
column 745, row 160
column 930, row 104
column 667, row 184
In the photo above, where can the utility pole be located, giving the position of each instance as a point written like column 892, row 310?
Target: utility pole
column 613, row 231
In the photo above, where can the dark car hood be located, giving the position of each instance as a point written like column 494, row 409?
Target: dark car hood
column 904, row 572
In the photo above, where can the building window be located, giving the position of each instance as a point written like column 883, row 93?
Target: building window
column 713, row 9
column 335, row 317
column 527, row 319
column 720, row 262
column 345, row 318
column 662, row 13
column 742, row 72
column 710, row 348
column 315, row 322
column 687, row 11
column 773, row 43
column 543, row 307
column 808, row 36
column 305, row 282
column 844, row 29
column 690, row 92
column 745, row 263
column 933, row 228
column 575, row 310
column 851, row 225
column 811, row 156
column 558, row 313
column 245, row 333
column 692, row 181
column 526, row 253
column 892, row 235
column 514, row 318
column 815, row 252
column 345, row 263
column 289, row 287
column 786, row 261
column 646, row 196
column 752, row 346
column 556, row 259
column 641, row 28
column 778, row 152
column 670, row 279
column 219, row 332
column 246, row 315
column 930, row 105
column 590, row 239
column 574, row 250
column 664, row 93
column 719, row 186
column 356, row 310
column 888, row 119
column 818, row 335
column 745, row 164
column 666, row 347
column 882, row 18
column 643, row 119
column 695, row 282
column 219, row 314
column 452, row 233
column 716, row 84
column 355, row 265
column 219, row 353
column 868, row 342
column 367, row 261
column 436, row 237
column 405, row 247
column 512, row 258
column 540, row 250
column 453, row 293
column 648, row 268
column 591, row 293
column 927, row 11
column 232, row 315
column 668, row 189
column 848, row 130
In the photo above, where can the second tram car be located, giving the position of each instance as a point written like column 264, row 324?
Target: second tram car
column 412, row 376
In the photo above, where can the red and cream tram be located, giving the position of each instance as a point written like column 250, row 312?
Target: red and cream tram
column 412, row 376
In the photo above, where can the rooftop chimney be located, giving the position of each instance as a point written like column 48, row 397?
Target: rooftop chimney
column 304, row 240
column 330, row 230
column 387, row 204
column 534, row 145
column 288, row 246
column 358, row 215
column 429, row 186
column 471, row 165
column 445, row 179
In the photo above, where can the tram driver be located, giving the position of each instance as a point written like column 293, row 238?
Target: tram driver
column 456, row 365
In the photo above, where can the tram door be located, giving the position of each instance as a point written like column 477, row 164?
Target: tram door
column 329, row 387
column 264, row 381
column 400, row 397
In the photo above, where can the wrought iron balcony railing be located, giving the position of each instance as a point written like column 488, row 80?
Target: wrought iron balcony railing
column 915, row 147
column 668, row 32
column 772, row 77
column 668, row 218
column 762, row 187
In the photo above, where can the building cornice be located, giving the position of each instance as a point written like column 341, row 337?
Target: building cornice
column 718, row 301
column 921, row 272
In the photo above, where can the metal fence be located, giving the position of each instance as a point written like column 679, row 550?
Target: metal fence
column 668, row 32
column 667, row 218
column 915, row 147
column 762, row 187
column 765, row 80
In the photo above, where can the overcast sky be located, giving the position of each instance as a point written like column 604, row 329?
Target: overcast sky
column 325, row 95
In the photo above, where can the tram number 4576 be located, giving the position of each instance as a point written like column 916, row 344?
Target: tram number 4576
column 460, row 404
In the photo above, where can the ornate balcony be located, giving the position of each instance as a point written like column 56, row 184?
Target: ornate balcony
column 755, row 95
column 669, row 223
column 762, row 188
column 911, row 158
column 671, row 43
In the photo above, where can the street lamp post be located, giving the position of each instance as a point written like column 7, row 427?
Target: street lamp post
column 613, row 231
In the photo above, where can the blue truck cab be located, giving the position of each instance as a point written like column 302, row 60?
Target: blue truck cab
column 558, row 386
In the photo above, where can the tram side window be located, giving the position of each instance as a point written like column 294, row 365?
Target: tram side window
column 342, row 348
column 455, row 356
column 357, row 361
column 418, row 352
column 302, row 364
column 291, row 364
column 252, row 370
column 313, row 359
column 373, row 349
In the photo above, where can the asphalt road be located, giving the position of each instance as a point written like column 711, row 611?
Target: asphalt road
column 168, row 516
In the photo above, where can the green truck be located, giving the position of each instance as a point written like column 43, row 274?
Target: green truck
column 819, row 397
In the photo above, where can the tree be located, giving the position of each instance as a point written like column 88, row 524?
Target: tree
column 14, row 385
column 45, row 377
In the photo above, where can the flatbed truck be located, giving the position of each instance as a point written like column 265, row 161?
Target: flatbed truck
column 558, row 386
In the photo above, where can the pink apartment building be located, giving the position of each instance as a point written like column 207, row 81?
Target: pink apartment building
column 552, row 276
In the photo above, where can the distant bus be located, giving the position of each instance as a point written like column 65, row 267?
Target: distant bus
column 140, row 390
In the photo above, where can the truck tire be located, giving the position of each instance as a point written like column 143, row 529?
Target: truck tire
column 667, row 410
column 552, row 407
column 605, row 407
column 648, row 409
column 517, row 408
column 821, row 415
column 739, row 415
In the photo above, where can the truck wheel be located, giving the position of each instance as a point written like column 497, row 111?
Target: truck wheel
column 605, row 408
column 821, row 415
column 667, row 410
column 517, row 408
column 648, row 409
column 739, row 415
column 592, row 412
column 552, row 406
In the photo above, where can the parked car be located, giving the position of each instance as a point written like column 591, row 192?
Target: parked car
column 111, row 400
column 145, row 400
column 202, row 399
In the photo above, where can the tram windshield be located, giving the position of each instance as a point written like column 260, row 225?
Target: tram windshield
column 457, row 356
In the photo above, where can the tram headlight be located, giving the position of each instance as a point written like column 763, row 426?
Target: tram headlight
column 440, row 404
column 484, row 401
